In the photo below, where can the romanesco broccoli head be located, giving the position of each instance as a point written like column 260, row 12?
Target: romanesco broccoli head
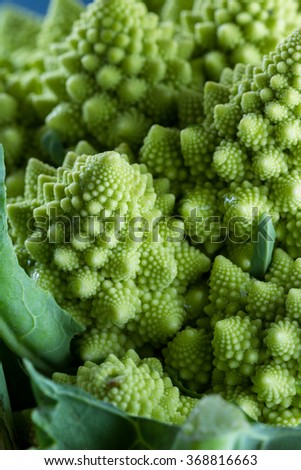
column 98, row 242
column 124, row 239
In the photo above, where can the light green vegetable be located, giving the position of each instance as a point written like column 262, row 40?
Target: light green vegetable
column 31, row 322
column 19, row 29
column 124, row 383
column 121, row 72
column 97, row 265
column 228, row 33
column 165, row 240
column 214, row 424
column 57, row 24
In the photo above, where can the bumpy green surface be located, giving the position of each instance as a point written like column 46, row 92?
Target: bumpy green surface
column 25, row 99
column 253, row 161
column 215, row 159
column 96, row 244
column 18, row 29
column 121, row 72
column 257, row 346
column 189, row 354
column 138, row 387
column 60, row 16
column 32, row 324
column 227, row 32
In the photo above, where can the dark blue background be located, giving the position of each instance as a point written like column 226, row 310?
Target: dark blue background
column 37, row 5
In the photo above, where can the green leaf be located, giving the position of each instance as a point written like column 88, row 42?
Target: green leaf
column 31, row 323
column 6, row 421
column 263, row 246
column 285, row 439
column 217, row 424
column 67, row 417
column 213, row 424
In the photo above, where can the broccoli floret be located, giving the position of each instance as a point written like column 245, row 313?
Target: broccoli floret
column 243, row 207
column 19, row 122
column 281, row 416
column 158, row 266
column 240, row 254
column 199, row 209
column 280, row 267
column 198, row 144
column 265, row 300
column 245, row 399
column 283, row 340
column 162, row 314
column 172, row 11
column 97, row 244
column 19, row 29
column 249, row 155
column 294, row 277
column 274, row 385
column 115, row 303
column 166, row 199
column 161, row 152
column 256, row 354
column 288, row 233
column 293, row 305
column 24, row 136
column 269, row 163
column 136, row 386
column 235, row 343
column 227, row 33
column 229, row 161
column 285, row 192
column 191, row 264
column 60, row 16
column 26, row 97
column 189, row 357
column 49, row 278
column 228, row 287
column 96, row 344
column 190, row 106
column 121, row 74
